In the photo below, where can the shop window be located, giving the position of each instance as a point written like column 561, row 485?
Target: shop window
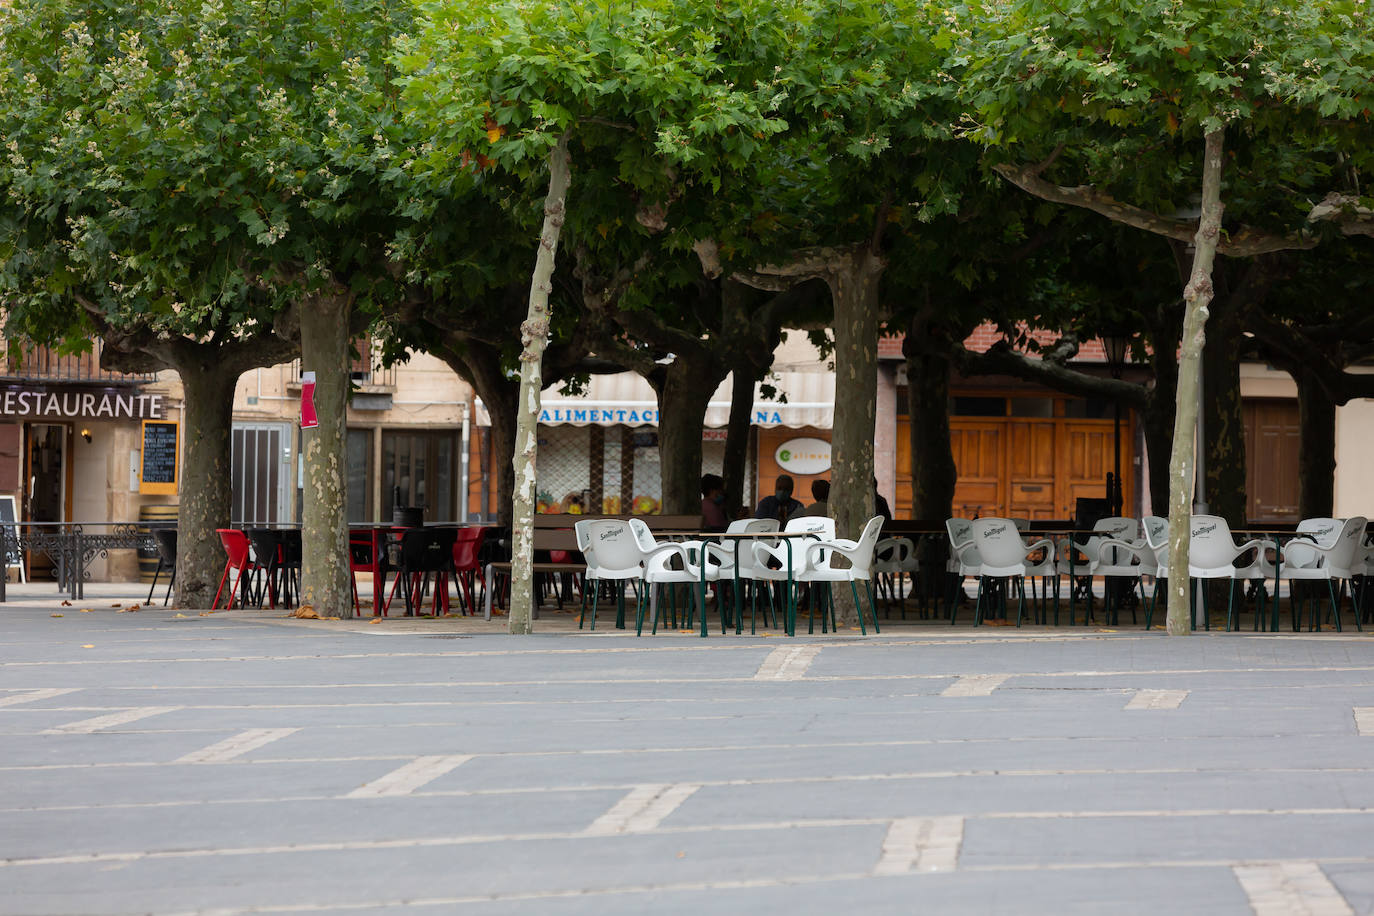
column 1032, row 407
column 979, row 407
column 418, row 470
column 1088, row 408
column 359, row 447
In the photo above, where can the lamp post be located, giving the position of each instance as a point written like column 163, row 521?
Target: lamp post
column 1115, row 343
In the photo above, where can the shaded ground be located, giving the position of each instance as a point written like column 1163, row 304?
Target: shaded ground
column 244, row 763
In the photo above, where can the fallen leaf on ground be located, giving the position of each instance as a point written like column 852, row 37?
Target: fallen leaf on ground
column 333, row 618
column 181, row 615
column 85, row 610
column 131, row 610
column 204, row 614
column 54, row 615
column 305, row 612
column 69, row 604
column 133, row 607
column 88, row 646
column 375, row 620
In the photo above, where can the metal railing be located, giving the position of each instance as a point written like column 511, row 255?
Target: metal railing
column 71, row 546
column 46, row 364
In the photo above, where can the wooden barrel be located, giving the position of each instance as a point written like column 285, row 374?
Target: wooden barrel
column 149, row 518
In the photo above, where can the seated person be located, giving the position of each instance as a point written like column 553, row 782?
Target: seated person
column 712, row 496
column 820, row 492
column 880, row 506
column 780, row 505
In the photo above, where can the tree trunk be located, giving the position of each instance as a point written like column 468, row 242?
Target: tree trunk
column 737, row 436
column 325, row 582
column 854, row 290
column 1316, row 448
column 206, row 490
column 933, row 472
column 1196, row 296
column 1157, row 417
column 684, row 390
column 1224, row 420
column 534, row 335
column 479, row 364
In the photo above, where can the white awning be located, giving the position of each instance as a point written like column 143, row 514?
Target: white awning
column 625, row 398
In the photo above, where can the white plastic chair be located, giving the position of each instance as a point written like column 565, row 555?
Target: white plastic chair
column 1081, row 561
column 895, row 557
column 612, row 555
column 659, row 570
column 1004, row 557
column 1331, row 561
column 789, row 554
column 1212, row 554
column 964, row 560
column 819, row 568
column 723, row 556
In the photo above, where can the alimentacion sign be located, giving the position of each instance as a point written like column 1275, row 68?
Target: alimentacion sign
column 71, row 402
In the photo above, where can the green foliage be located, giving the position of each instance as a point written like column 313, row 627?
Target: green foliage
column 189, row 167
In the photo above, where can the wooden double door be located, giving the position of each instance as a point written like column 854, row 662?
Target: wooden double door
column 1022, row 467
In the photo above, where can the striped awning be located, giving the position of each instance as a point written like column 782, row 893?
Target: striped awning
column 625, row 398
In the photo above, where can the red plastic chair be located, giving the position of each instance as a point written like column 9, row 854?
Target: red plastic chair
column 466, row 567
column 364, row 557
column 238, row 558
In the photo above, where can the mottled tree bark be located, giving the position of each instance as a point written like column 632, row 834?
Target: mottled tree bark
column 534, row 334
column 854, row 290
column 206, row 492
column 1196, row 296
column 325, row 583
column 1316, row 448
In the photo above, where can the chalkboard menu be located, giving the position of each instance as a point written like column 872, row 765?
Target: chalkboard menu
column 13, row 555
column 159, row 464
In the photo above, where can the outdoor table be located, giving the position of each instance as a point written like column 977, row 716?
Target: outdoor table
column 789, row 612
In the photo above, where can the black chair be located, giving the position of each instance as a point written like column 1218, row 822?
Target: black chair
column 425, row 553
column 166, row 539
column 269, row 551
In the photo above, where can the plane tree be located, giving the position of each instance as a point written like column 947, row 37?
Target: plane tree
column 527, row 91
column 1138, row 113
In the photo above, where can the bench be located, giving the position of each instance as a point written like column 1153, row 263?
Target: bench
column 555, row 532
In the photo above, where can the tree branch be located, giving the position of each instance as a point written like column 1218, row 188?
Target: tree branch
column 1244, row 243
column 1001, row 359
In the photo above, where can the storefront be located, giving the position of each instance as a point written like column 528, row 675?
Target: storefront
column 598, row 452
column 87, row 451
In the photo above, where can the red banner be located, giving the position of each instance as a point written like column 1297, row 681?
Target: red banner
column 308, row 418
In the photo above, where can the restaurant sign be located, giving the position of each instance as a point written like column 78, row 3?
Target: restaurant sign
column 804, row 456
column 77, row 402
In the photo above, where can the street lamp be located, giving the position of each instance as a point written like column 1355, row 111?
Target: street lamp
column 1115, row 343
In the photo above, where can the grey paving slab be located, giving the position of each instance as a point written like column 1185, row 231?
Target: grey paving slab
column 1144, row 839
column 733, row 794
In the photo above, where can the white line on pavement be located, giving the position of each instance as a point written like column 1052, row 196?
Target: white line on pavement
column 787, row 663
column 975, row 685
column 921, row 844
column 32, row 695
column 1157, row 699
column 406, row 779
column 484, row 839
column 232, row 747
column 87, row 726
column 1290, row 889
column 643, row 808
column 1364, row 720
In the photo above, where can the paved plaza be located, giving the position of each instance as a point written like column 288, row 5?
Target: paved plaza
column 167, row 762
